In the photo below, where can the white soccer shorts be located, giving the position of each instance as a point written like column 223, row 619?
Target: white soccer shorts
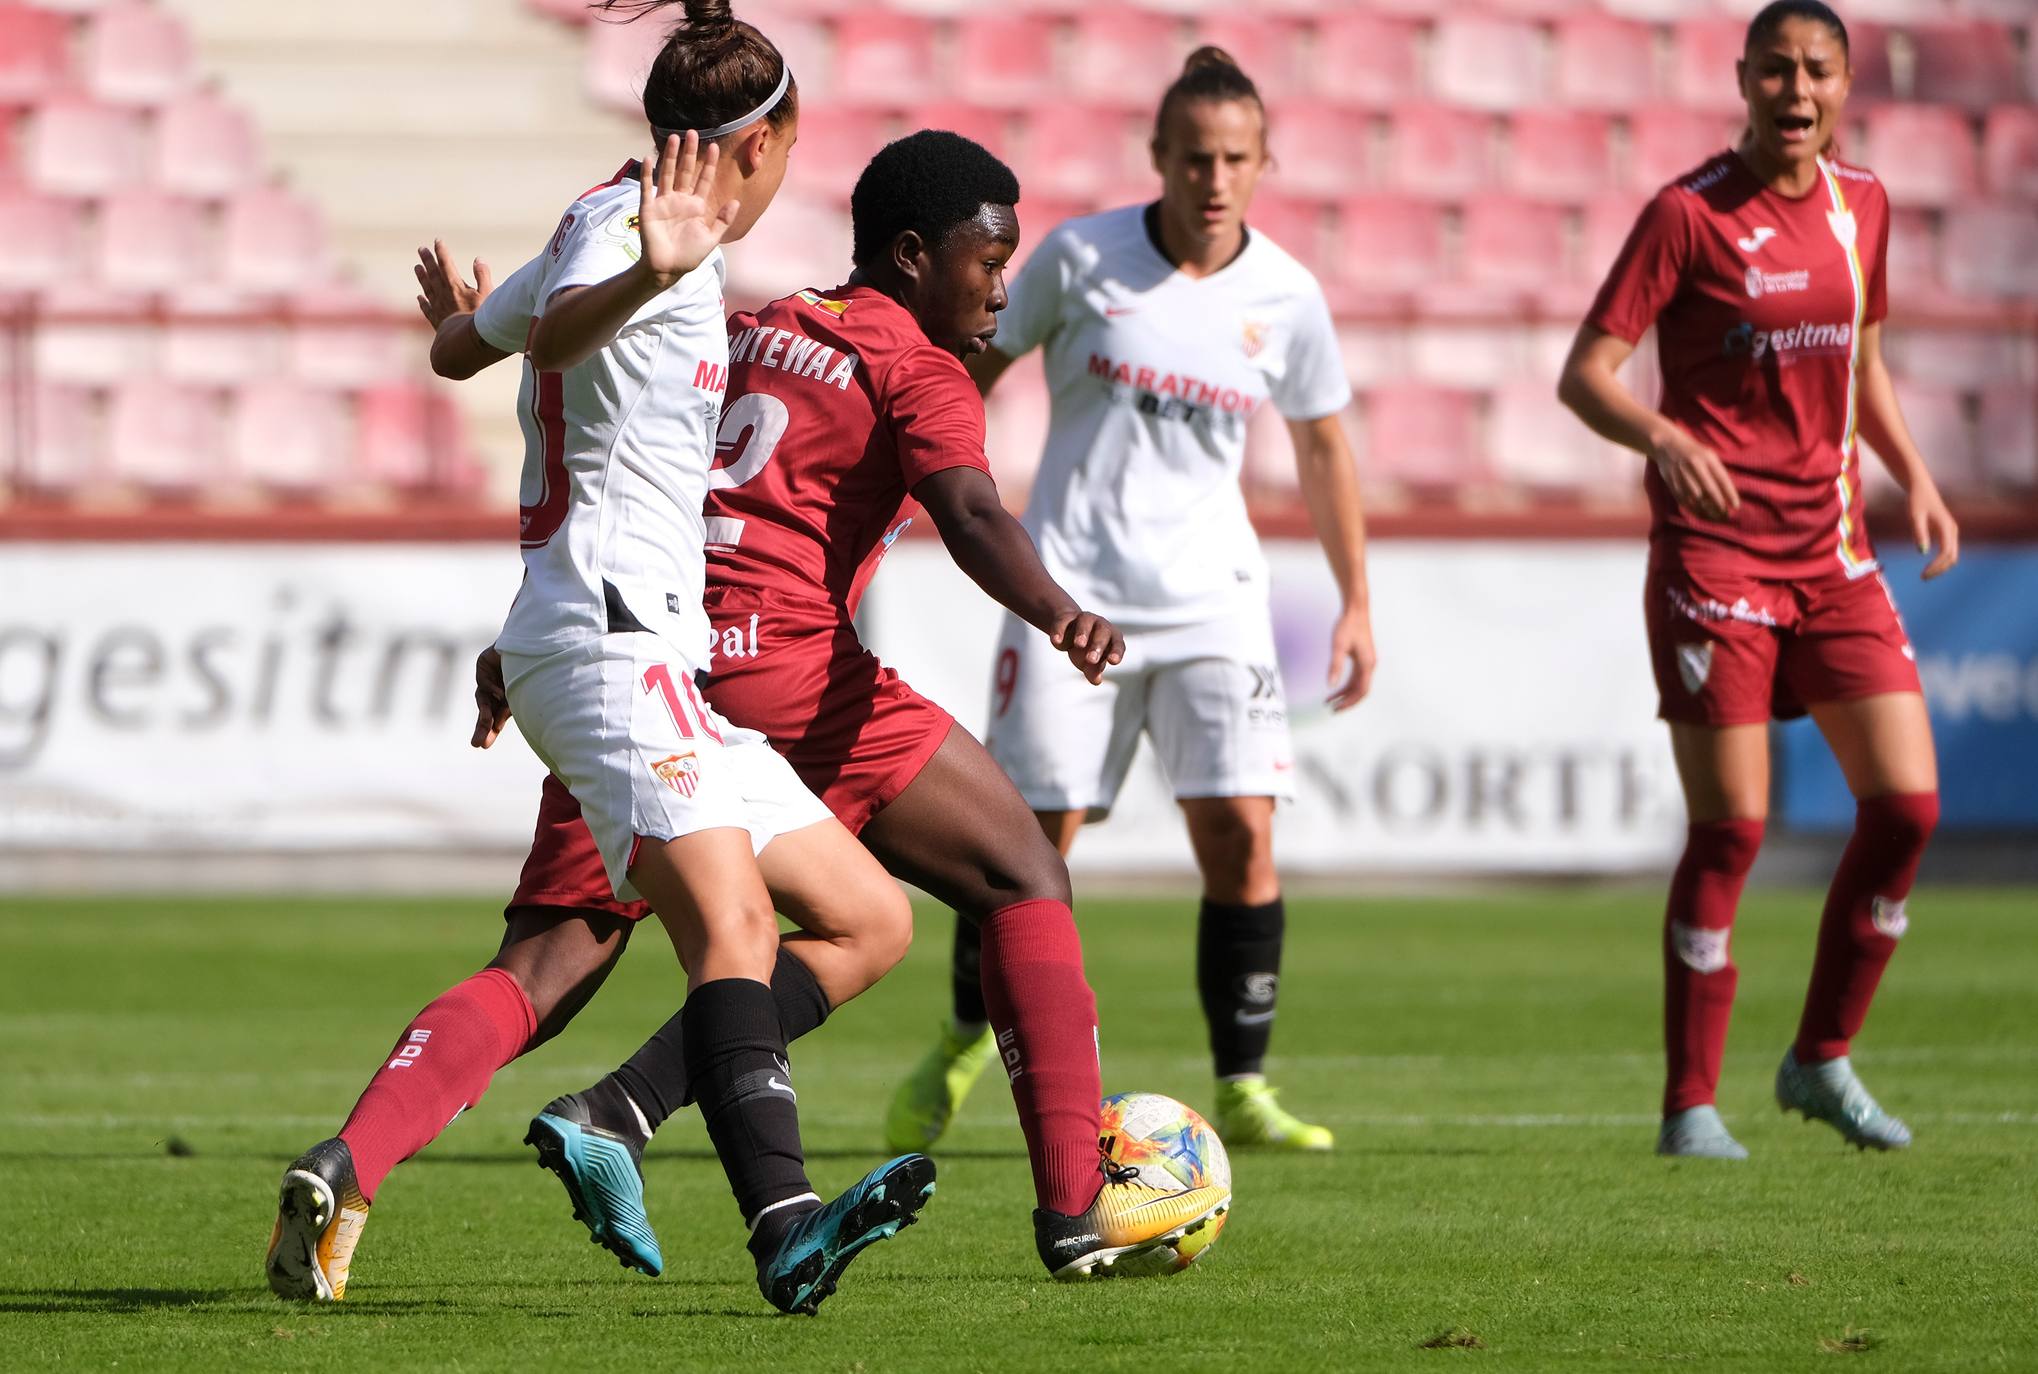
column 619, row 721
column 1209, row 695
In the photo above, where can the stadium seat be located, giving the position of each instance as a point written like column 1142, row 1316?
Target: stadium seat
column 1702, row 57
column 162, row 435
column 1970, row 65
column 616, row 61
column 394, row 437
column 1657, row 11
column 882, row 57
column 1123, row 57
column 1296, row 225
column 351, row 348
column 1005, row 59
column 1913, row 270
column 1664, row 144
column 988, row 126
column 273, row 240
column 1602, row 63
column 1985, row 250
column 1562, row 155
column 148, row 241
column 802, row 242
column 45, row 238
column 1390, row 250
column 1868, row 51
column 1368, row 60
column 1016, row 429
column 1924, row 154
column 219, row 348
column 2009, row 436
column 63, row 439
column 1267, row 49
column 35, row 53
column 2009, row 152
column 1607, row 222
column 1373, row 353
column 89, row 336
column 1955, row 354
column 286, row 436
column 1320, row 148
column 79, row 147
column 1441, row 151
column 204, row 146
column 1037, row 216
column 137, row 54
column 833, row 147
column 1423, row 437
column 1534, row 441
column 1942, row 427
column 572, row 11
column 1514, row 246
column 1485, row 61
column 1078, row 152
column 1460, row 353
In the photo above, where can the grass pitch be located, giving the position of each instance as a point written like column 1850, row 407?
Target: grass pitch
column 1489, row 1065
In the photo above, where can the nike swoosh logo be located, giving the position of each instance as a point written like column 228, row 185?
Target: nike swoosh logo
column 1252, row 1018
column 785, row 1088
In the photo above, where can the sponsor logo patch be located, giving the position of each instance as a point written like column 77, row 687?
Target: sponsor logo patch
column 1760, row 283
column 1889, row 917
column 680, row 772
column 1259, row 987
column 1694, row 664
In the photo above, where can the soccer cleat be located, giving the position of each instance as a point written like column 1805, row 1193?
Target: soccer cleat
column 1248, row 1117
column 319, row 1216
column 932, row 1094
column 603, row 1171
column 1830, row 1092
column 1127, row 1220
column 1698, row 1133
column 801, row 1273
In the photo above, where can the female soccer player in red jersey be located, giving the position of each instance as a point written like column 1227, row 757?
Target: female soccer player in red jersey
column 1164, row 328
column 600, row 650
column 1763, row 271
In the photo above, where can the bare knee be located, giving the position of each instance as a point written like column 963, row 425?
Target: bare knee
column 1235, row 849
column 559, row 957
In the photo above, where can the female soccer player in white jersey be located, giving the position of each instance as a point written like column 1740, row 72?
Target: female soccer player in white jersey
column 626, row 360
column 1763, row 270
column 1165, row 328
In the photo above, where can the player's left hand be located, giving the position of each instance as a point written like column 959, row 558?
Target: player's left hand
column 1351, row 657
column 491, row 699
column 443, row 292
column 1091, row 642
column 676, row 218
column 1932, row 526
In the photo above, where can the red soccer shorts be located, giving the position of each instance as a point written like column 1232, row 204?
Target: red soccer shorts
column 1730, row 647
column 794, row 671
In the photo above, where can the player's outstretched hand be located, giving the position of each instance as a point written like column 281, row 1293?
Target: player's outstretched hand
column 1696, row 476
column 1091, row 642
column 1352, row 658
column 675, row 217
column 1933, row 527
column 491, row 699
column 442, row 291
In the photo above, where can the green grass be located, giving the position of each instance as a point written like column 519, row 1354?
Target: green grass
column 1489, row 1064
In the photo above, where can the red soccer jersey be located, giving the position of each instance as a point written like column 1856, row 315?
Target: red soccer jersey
column 838, row 405
column 1759, row 301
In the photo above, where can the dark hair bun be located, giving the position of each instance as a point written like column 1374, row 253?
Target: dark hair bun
column 702, row 15
column 1208, row 57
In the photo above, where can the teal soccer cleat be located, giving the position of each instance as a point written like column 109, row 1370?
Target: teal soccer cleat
column 603, row 1171
column 1830, row 1092
column 1698, row 1133
column 801, row 1273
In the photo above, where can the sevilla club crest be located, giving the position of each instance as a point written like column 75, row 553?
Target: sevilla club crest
column 680, row 772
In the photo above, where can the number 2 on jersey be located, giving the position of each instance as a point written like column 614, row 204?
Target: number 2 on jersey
column 751, row 428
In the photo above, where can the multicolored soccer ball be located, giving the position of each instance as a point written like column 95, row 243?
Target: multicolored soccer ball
column 1168, row 1146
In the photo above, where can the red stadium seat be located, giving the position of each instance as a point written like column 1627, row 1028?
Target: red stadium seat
column 1985, row 250
column 1124, row 57
column 1267, row 50
column 1390, row 251
column 990, row 127
column 617, row 59
column 137, row 54
column 1970, row 65
column 1868, row 52
column 78, row 147
column 1369, row 60
column 2009, row 436
column 1665, row 144
column 1702, row 57
column 288, row 437
column 1558, row 155
column 1913, row 269
column 1954, row 354
column 1536, row 442
column 2009, row 151
column 834, row 145
column 45, row 240
column 1437, row 150
column 1657, row 11
column 1038, row 215
column 352, row 352
column 1485, row 62
column 63, row 434
column 219, row 348
column 1005, row 58
column 273, row 240
column 153, row 242
column 883, row 58
column 1924, row 154
column 1296, row 225
column 1078, row 152
column 163, row 435
column 394, row 438
column 800, row 243
column 205, row 146
column 1320, row 148
column 1943, row 429
column 1513, row 246
column 35, row 53
column 1448, row 352
column 1608, row 221
column 1423, row 437
column 1602, row 63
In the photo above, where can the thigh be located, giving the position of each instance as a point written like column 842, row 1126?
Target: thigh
column 828, row 884
column 1066, row 743
column 1218, row 713
column 710, row 896
column 1883, row 743
column 560, row 958
column 1724, row 770
column 962, row 833
column 1714, row 644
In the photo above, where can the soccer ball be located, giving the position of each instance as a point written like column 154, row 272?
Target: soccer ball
column 1168, row 1146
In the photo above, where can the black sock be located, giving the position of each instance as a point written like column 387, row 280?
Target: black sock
column 735, row 1055
column 965, row 973
column 656, row 1076
column 1238, row 968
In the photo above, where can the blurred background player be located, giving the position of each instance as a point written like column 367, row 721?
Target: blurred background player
column 1165, row 327
column 840, row 404
column 1764, row 271
column 599, row 650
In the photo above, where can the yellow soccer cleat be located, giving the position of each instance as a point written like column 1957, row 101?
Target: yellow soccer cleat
column 319, row 1218
column 1131, row 1229
column 932, row 1094
column 1248, row 1117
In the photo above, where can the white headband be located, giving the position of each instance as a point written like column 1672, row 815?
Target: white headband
column 785, row 78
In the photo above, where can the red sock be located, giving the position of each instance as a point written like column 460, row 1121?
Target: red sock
column 441, row 1065
column 1045, row 1017
column 1864, row 915
column 1699, row 976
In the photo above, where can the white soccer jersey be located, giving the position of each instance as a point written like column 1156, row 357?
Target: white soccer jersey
column 1153, row 378
column 616, row 449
